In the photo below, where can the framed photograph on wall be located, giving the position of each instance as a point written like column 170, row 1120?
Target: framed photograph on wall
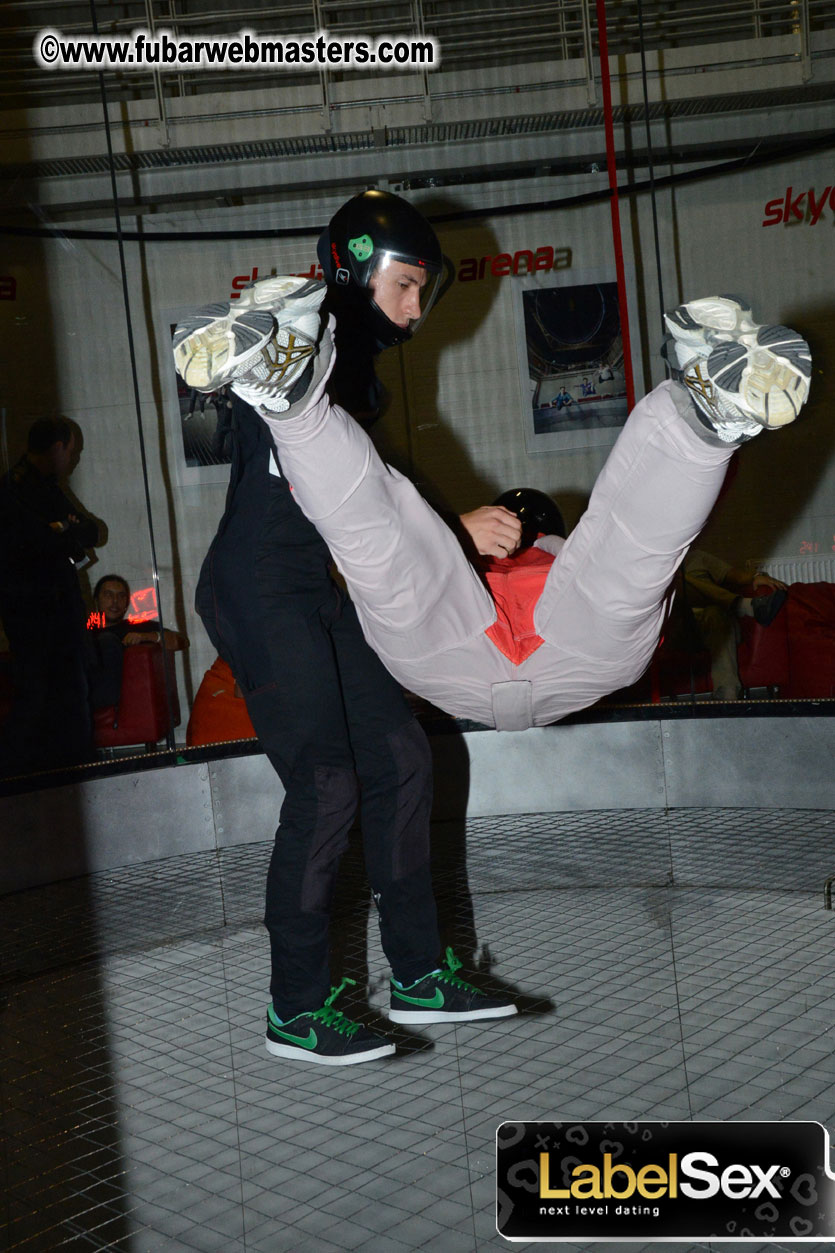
column 571, row 362
column 199, row 424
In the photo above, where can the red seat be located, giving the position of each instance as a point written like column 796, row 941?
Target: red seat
column 794, row 657
column 762, row 656
column 142, row 715
column 218, row 714
column 675, row 672
column 811, row 632
column 762, row 660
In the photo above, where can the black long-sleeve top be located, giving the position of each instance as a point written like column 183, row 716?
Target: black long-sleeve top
column 34, row 553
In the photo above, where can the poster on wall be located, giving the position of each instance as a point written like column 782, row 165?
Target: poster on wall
column 199, row 423
column 205, row 425
column 571, row 362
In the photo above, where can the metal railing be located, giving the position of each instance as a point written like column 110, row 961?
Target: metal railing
column 473, row 34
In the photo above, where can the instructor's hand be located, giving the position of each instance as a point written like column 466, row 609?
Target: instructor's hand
column 495, row 531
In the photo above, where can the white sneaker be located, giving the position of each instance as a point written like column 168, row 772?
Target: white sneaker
column 743, row 377
column 261, row 344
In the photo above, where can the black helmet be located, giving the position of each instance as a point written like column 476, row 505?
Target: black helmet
column 537, row 512
column 365, row 237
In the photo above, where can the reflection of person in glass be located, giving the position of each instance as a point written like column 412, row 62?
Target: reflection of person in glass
column 43, row 535
column 332, row 721
column 112, row 600
column 206, row 426
column 112, row 632
column 711, row 599
column 592, row 622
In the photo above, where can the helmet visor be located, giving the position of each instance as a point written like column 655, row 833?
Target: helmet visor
column 403, row 290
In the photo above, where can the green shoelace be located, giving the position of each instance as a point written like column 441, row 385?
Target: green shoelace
column 448, row 975
column 334, row 1018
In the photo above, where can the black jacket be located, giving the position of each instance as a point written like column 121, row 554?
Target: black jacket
column 35, row 555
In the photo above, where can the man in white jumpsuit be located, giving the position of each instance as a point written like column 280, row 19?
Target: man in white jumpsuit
column 596, row 620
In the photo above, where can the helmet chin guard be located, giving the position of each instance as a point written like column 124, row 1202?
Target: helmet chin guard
column 382, row 246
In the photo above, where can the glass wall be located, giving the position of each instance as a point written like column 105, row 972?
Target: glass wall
column 130, row 200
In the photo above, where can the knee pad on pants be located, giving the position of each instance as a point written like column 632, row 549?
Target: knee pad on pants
column 337, row 796
column 413, row 762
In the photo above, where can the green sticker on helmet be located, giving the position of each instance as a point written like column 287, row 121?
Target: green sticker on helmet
column 361, row 247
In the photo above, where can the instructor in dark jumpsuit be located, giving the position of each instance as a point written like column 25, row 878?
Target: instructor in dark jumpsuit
column 331, row 719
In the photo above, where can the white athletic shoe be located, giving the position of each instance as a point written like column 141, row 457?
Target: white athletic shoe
column 743, row 377
column 260, row 344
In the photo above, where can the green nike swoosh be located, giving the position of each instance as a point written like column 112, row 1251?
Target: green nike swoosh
column 304, row 1042
column 428, row 1002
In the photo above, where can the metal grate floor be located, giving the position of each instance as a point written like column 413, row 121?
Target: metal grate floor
column 670, row 966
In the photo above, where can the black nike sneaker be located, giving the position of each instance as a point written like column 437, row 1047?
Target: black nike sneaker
column 325, row 1036
column 442, row 996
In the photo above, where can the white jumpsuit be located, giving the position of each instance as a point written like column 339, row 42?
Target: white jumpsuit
column 424, row 609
